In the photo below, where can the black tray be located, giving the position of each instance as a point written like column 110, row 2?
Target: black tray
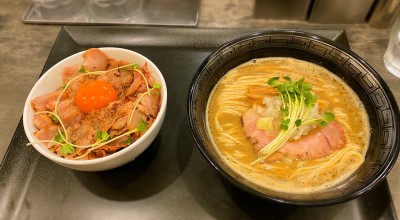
column 171, row 179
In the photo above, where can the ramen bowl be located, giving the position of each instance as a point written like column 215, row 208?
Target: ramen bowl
column 372, row 91
column 51, row 80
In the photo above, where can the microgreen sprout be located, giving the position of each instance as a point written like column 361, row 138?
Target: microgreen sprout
column 55, row 119
column 60, row 137
column 67, row 149
column 298, row 122
column 127, row 141
column 102, row 137
column 83, row 69
column 156, row 86
column 297, row 101
column 131, row 67
column 142, row 126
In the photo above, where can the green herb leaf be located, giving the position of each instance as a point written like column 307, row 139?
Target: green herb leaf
column 301, row 81
column 285, row 124
column 310, row 99
column 102, row 136
column 285, row 111
column 142, row 126
column 134, row 66
column 59, row 137
column 67, row 149
column 306, row 86
column 298, row 122
column 273, row 81
column 288, row 87
column 287, row 78
column 55, row 119
column 131, row 67
column 156, row 86
column 83, row 69
column 128, row 141
column 328, row 116
column 98, row 135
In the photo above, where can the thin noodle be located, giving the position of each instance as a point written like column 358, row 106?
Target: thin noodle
column 236, row 149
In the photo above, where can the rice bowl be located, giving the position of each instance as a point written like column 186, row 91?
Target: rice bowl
column 51, row 80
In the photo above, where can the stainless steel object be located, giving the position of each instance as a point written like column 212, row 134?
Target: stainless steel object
column 149, row 12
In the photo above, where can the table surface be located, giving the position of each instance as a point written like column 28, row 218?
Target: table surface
column 24, row 49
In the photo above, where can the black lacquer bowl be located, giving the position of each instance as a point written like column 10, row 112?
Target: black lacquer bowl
column 363, row 79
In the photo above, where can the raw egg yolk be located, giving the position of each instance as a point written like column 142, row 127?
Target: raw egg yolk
column 94, row 95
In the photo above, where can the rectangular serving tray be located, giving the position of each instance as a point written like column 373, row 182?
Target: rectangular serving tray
column 171, row 179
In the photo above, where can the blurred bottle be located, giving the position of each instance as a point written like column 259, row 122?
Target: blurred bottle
column 384, row 13
column 392, row 54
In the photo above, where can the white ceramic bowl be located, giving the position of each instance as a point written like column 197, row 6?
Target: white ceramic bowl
column 51, row 81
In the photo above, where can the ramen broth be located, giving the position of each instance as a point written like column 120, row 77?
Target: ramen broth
column 228, row 101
